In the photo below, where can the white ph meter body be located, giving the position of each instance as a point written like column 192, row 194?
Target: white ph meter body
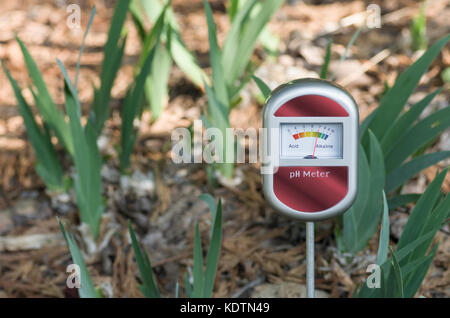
column 311, row 146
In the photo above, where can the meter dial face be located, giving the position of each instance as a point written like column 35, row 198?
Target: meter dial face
column 311, row 140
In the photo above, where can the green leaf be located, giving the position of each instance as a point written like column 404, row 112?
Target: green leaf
column 326, row 61
column 434, row 222
column 198, row 265
column 401, row 255
column 361, row 220
column 51, row 115
column 241, row 40
column 91, row 19
column 265, row 90
column 211, row 202
column 47, row 166
column 155, row 35
column 401, row 200
column 406, row 171
column 351, row 218
column 115, row 30
column 347, row 49
column 363, row 128
column 418, row 135
column 213, row 252
column 232, row 9
column 418, row 30
column 113, row 53
column 87, row 289
column 188, row 286
column 177, row 290
column 153, row 9
column 149, row 287
column 138, row 18
column 131, row 108
column 88, row 187
column 186, row 61
column 384, row 234
column 218, row 118
column 269, row 41
column 217, row 111
column 404, row 122
column 419, row 215
column 180, row 54
column 157, row 82
column 219, row 83
column 419, row 273
column 445, row 75
column 231, row 46
column 156, row 85
column 350, row 44
column 398, row 287
column 393, row 102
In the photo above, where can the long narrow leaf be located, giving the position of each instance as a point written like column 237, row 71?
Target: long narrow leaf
column 180, row 54
column 402, row 199
column 131, row 108
column 237, row 61
column 91, row 19
column 232, row 9
column 186, row 61
column 218, row 118
column 417, row 219
column 383, row 246
column 417, row 277
column 401, row 255
column 51, row 115
column 361, row 221
column 326, row 61
column 219, row 84
column 113, row 53
column 393, row 102
column 149, row 287
column 156, row 85
column 351, row 218
column 417, row 136
column 155, row 35
column 187, row 285
column 265, row 90
column 87, row 161
column 138, row 18
column 209, row 200
column 406, row 171
column 47, row 166
column 434, row 222
column 87, row 289
column 404, row 122
column 399, row 292
column 213, row 252
column 198, row 265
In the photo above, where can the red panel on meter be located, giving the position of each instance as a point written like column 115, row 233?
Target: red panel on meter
column 311, row 106
column 310, row 189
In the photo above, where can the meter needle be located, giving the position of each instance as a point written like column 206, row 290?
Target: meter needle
column 315, row 144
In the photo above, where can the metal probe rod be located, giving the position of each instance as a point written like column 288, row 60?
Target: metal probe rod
column 310, row 259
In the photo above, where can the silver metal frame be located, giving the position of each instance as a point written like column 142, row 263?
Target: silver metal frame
column 272, row 141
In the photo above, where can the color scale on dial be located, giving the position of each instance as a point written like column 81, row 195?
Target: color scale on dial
column 311, row 140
